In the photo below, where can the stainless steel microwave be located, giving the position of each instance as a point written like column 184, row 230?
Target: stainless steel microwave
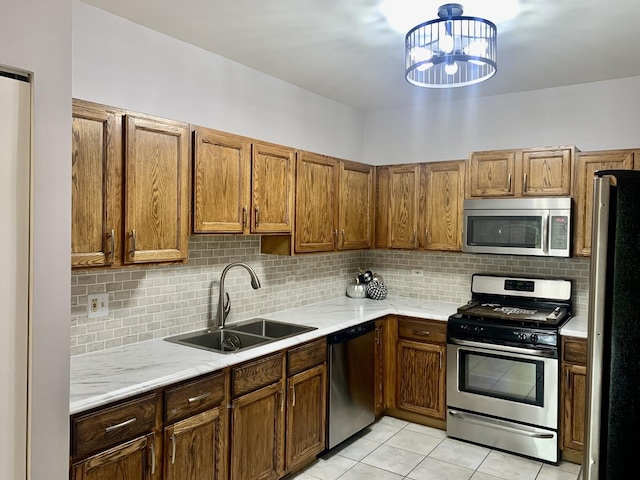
column 519, row 226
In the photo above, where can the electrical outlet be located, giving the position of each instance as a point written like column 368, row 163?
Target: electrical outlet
column 416, row 272
column 291, row 278
column 98, row 305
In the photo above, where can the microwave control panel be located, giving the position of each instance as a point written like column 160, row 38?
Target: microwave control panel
column 559, row 237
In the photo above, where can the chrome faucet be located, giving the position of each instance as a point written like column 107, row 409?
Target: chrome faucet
column 224, row 305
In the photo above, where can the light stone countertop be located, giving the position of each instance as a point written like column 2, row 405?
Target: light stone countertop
column 114, row 374
column 99, row 378
column 575, row 327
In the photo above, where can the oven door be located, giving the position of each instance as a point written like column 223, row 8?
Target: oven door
column 518, row 384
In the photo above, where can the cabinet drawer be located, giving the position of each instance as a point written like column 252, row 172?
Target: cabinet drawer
column 193, row 397
column 306, row 356
column 111, row 426
column 574, row 350
column 422, row 330
column 257, row 374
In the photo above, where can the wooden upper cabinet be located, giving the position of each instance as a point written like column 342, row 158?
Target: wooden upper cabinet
column 404, row 183
column 547, row 171
column 316, row 203
column 221, row 182
column 587, row 164
column 441, row 197
column 356, row 206
column 96, row 186
column 492, row 173
column 272, row 175
column 156, row 189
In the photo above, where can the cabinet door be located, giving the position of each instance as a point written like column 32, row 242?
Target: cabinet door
column 382, row 208
column 356, row 206
column 316, row 203
column 491, row 174
column 378, row 360
column 221, row 182
column 588, row 163
column 404, row 182
column 421, row 378
column 257, row 442
column 134, row 460
column 194, row 448
column 546, row 172
column 442, row 188
column 96, row 165
column 306, row 415
column 574, row 406
column 156, row 190
column 272, row 172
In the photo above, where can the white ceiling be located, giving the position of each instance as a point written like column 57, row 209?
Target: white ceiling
column 346, row 50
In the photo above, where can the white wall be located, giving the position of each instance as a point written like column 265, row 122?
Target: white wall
column 120, row 63
column 593, row 116
column 35, row 35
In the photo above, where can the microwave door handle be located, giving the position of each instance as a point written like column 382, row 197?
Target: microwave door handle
column 545, row 233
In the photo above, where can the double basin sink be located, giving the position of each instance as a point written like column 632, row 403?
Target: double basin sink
column 240, row 336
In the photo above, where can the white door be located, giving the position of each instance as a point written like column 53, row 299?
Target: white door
column 15, row 144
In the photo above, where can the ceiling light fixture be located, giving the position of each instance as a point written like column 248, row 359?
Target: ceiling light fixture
column 451, row 51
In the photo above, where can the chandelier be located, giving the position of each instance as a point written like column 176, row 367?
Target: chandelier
column 451, row 51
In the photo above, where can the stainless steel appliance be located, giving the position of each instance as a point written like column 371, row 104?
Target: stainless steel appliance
column 351, row 393
column 613, row 380
column 502, row 364
column 518, row 226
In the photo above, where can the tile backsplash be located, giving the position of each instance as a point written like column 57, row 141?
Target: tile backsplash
column 157, row 301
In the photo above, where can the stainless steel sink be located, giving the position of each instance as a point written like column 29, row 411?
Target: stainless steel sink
column 269, row 328
column 223, row 341
column 241, row 336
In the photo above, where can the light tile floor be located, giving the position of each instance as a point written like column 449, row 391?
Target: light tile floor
column 393, row 449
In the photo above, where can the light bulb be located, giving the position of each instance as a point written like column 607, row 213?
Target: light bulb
column 451, row 68
column 446, row 44
column 421, row 54
column 477, row 48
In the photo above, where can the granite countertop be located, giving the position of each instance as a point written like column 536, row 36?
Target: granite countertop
column 105, row 376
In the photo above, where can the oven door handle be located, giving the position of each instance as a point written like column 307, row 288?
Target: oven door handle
column 487, row 422
column 506, row 348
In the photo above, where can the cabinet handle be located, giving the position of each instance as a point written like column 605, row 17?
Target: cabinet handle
column 173, row 448
column 153, row 457
column 281, row 400
column 509, row 185
column 344, row 237
column 422, row 333
column 120, row 425
column 377, row 336
column 524, row 188
column 112, row 253
column 440, row 360
column 133, row 242
column 415, row 237
column 335, row 238
column 199, row 397
column 426, row 235
column 293, row 395
column 257, row 209
column 244, row 217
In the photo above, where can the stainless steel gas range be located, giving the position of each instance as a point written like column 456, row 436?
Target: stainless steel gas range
column 502, row 364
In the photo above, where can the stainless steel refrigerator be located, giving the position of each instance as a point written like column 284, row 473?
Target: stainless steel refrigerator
column 612, row 419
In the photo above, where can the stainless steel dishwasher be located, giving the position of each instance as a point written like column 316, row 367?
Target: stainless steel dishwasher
column 351, row 390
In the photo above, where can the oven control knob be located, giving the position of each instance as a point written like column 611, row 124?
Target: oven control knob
column 522, row 336
column 534, row 338
column 478, row 329
column 464, row 328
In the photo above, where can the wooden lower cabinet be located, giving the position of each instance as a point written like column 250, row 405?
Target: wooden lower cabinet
column 194, row 447
column 257, row 440
column 420, row 380
column 306, row 416
column 134, row 460
column 378, row 362
column 573, row 398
